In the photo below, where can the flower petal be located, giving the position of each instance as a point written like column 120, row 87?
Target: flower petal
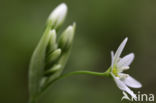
column 112, row 57
column 125, row 61
column 121, row 85
column 131, row 82
column 119, row 50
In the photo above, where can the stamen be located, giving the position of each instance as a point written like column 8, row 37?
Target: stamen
column 115, row 71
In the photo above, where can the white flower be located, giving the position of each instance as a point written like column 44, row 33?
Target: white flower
column 58, row 15
column 123, row 81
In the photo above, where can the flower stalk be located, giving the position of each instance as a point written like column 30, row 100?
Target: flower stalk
column 82, row 72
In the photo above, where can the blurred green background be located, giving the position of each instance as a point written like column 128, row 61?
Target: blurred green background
column 101, row 26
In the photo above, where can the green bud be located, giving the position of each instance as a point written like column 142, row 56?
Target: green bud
column 54, row 69
column 66, row 38
column 53, row 56
column 52, row 41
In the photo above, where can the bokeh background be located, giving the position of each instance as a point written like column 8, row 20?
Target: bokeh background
column 101, row 26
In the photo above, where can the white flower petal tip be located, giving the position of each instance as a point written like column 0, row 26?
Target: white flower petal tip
column 122, row 45
column 119, row 50
column 131, row 82
column 58, row 14
column 126, row 39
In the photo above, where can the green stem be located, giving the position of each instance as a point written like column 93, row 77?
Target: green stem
column 105, row 74
column 83, row 73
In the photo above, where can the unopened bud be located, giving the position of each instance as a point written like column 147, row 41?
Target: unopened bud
column 54, row 56
column 58, row 15
column 66, row 37
column 54, row 69
column 52, row 41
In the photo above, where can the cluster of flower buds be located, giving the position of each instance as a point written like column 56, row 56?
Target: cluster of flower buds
column 51, row 53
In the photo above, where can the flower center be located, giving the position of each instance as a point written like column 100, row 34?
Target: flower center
column 115, row 71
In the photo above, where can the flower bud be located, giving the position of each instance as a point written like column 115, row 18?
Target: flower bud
column 53, row 56
column 54, row 69
column 52, row 41
column 66, row 38
column 58, row 15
